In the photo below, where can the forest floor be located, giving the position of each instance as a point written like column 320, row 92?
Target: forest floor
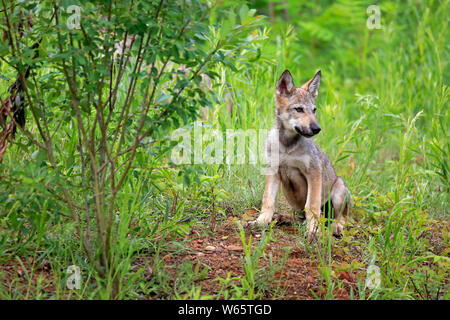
column 287, row 266
column 296, row 273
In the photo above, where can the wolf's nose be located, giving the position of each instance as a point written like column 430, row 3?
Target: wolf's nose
column 315, row 129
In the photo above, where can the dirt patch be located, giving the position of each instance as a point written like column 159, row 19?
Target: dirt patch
column 297, row 276
column 296, row 271
column 21, row 277
column 437, row 234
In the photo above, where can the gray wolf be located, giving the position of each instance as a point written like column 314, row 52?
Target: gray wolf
column 305, row 173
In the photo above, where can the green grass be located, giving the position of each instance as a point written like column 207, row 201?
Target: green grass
column 383, row 106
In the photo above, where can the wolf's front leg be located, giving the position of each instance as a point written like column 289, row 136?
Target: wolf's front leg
column 313, row 203
column 268, row 202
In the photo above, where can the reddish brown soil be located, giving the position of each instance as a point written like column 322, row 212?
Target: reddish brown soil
column 21, row 276
column 298, row 277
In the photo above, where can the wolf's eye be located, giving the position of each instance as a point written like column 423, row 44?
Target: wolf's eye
column 299, row 110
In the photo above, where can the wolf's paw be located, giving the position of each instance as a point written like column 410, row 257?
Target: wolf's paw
column 264, row 219
column 337, row 230
column 312, row 230
column 253, row 224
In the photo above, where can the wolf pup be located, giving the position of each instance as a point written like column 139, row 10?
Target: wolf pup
column 308, row 179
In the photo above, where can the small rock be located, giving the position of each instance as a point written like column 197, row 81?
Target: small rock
column 199, row 254
column 234, row 248
column 210, row 248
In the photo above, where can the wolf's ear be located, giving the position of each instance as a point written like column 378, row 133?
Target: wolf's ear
column 312, row 86
column 285, row 85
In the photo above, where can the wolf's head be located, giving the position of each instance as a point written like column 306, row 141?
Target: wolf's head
column 295, row 107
